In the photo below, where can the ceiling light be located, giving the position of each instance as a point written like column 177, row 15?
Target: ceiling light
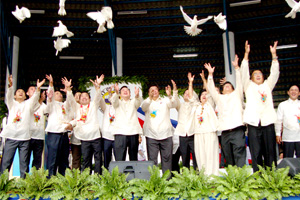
column 37, row 11
column 244, row 3
column 133, row 12
column 185, row 55
column 288, row 46
column 71, row 57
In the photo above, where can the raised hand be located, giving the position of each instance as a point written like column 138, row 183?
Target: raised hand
column 67, row 83
column 50, row 79
column 10, row 81
column 273, row 49
column 168, row 90
column 209, row 68
column 190, row 77
column 39, row 84
column 50, row 94
column 247, row 47
column 223, row 81
column 136, row 92
column 235, row 63
column 116, row 88
column 202, row 75
column 174, row 85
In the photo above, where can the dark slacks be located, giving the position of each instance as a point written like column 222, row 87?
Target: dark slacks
column 108, row 146
column 121, row 144
column 36, row 148
column 90, row 149
column 165, row 147
column 76, row 156
column 186, row 145
column 222, row 160
column 233, row 145
column 290, row 148
column 58, row 153
column 175, row 161
column 262, row 144
column 9, row 152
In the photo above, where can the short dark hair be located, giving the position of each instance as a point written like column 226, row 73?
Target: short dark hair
column 124, row 86
column 20, row 89
column 201, row 91
column 153, row 85
column 293, row 84
column 86, row 93
column 227, row 82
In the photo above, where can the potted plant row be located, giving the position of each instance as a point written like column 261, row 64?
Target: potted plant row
column 237, row 183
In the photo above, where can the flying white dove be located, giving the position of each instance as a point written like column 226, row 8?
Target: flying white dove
column 295, row 8
column 221, row 21
column 99, row 18
column 22, row 13
column 107, row 13
column 193, row 30
column 61, row 29
column 62, row 10
column 59, row 44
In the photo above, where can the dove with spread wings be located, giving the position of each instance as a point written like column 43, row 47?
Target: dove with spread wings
column 21, row 14
column 62, row 10
column 220, row 20
column 59, row 44
column 61, row 30
column 105, row 16
column 295, row 8
column 193, row 30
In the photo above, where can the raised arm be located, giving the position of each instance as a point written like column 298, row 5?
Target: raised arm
column 274, row 75
column 245, row 67
column 50, row 89
column 191, row 80
column 34, row 100
column 174, row 99
column 115, row 97
column 210, row 82
column 203, row 79
column 137, row 100
column 239, row 87
column 70, row 101
column 97, row 84
column 10, row 93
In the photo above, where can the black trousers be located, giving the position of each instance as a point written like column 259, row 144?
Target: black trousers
column 262, row 144
column 76, row 156
column 122, row 142
column 186, row 145
column 290, row 148
column 233, row 145
column 9, row 152
column 175, row 161
column 90, row 149
column 36, row 148
column 58, row 153
column 165, row 147
column 108, row 146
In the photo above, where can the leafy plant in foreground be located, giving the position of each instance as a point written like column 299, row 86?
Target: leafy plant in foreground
column 6, row 185
column 237, row 184
column 156, row 188
column 192, row 184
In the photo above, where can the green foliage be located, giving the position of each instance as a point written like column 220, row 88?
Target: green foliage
column 156, row 188
column 274, row 183
column 74, row 185
column 35, row 185
column 238, row 184
column 192, row 184
column 84, row 82
column 296, row 186
column 6, row 185
column 3, row 111
column 111, row 186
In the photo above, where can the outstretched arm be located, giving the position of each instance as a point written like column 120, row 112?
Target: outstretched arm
column 239, row 87
column 210, row 82
column 245, row 67
column 274, row 75
column 115, row 97
column 10, row 93
column 173, row 99
column 97, row 84
column 191, row 80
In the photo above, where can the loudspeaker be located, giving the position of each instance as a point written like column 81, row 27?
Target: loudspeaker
column 293, row 163
column 134, row 169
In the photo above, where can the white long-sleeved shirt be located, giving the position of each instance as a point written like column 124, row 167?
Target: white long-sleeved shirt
column 37, row 126
column 108, row 120
column 59, row 115
column 126, row 119
column 230, row 109
column 259, row 99
column 18, row 123
column 157, row 123
column 288, row 117
column 86, row 124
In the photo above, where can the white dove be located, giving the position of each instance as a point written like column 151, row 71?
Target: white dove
column 107, row 13
column 99, row 18
column 295, row 8
column 62, row 10
column 221, row 21
column 59, row 44
column 21, row 14
column 193, row 30
column 61, row 30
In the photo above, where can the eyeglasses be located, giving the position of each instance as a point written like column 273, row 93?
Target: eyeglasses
column 257, row 74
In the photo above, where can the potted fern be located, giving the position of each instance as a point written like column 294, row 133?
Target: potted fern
column 296, row 186
column 74, row 185
column 192, row 184
column 7, row 187
column 111, row 186
column 36, row 185
column 155, row 188
column 238, row 183
column 275, row 183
